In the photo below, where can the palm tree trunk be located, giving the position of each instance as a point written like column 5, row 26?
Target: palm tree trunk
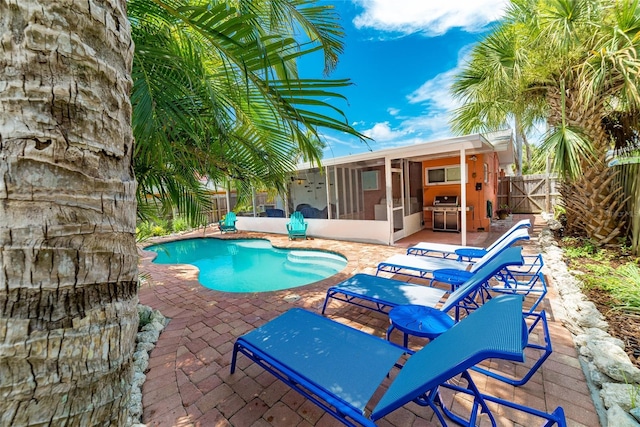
column 594, row 201
column 68, row 263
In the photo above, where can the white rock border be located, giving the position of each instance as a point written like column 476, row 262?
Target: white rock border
column 152, row 322
column 614, row 382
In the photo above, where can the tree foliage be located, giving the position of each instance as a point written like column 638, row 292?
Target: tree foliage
column 217, row 94
column 574, row 65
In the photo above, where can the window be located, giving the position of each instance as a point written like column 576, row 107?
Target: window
column 453, row 174
column 443, row 175
column 435, row 175
column 370, row 180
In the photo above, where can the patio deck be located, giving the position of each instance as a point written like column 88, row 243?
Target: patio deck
column 189, row 384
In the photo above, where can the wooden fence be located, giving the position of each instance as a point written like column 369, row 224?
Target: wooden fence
column 529, row 193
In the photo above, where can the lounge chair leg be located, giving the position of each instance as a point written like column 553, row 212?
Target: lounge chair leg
column 389, row 330
column 478, row 402
column 234, row 358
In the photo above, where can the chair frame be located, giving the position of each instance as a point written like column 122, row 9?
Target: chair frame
column 525, row 280
column 404, row 388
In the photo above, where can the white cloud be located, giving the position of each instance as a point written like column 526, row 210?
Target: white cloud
column 428, row 16
column 435, row 98
column 382, row 132
column 435, row 95
column 436, row 92
column 343, row 144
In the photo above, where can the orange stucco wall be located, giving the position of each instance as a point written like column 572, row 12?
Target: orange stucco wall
column 476, row 198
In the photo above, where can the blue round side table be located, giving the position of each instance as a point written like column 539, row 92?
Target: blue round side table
column 451, row 276
column 418, row 320
column 470, row 253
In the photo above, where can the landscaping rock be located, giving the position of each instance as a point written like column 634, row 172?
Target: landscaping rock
column 554, row 225
column 152, row 322
column 619, row 394
column 145, row 346
column 156, row 316
column 618, row 417
column 607, row 367
column 154, row 325
column 144, row 313
column 148, row 336
column 612, row 360
column 597, row 376
column 636, row 413
column 138, row 379
column 141, row 361
column 595, row 334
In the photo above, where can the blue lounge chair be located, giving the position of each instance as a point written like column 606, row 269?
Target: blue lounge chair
column 340, row 368
column 381, row 294
column 475, row 291
column 297, row 226
column 443, row 250
column 423, row 267
column 228, row 223
column 526, row 280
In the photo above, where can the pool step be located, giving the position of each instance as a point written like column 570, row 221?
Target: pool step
column 309, row 270
column 315, row 258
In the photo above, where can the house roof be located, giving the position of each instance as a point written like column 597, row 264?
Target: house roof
column 500, row 142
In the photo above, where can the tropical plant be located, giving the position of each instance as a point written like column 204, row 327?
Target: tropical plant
column 573, row 64
column 220, row 99
column 68, row 264
column 217, row 94
column 503, row 212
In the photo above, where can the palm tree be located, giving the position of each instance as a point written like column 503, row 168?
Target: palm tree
column 217, row 94
column 572, row 63
column 68, row 315
column 68, row 264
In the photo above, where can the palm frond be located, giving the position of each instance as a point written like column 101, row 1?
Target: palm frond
column 569, row 148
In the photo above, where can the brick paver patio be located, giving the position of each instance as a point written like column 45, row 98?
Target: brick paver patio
column 189, row 384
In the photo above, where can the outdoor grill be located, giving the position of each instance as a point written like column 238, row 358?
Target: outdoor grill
column 446, row 213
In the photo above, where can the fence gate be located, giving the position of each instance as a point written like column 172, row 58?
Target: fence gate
column 529, row 194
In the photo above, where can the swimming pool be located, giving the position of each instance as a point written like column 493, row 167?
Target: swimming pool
column 249, row 265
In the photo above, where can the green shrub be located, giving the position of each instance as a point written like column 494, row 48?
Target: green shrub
column 628, row 290
column 582, row 248
column 143, row 231
column 158, row 230
column 147, row 229
column 180, row 224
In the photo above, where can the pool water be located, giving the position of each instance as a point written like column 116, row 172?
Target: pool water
column 249, row 265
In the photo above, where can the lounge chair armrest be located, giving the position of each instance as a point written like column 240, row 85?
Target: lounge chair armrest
column 470, row 253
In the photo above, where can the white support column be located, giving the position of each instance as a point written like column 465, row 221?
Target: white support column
column 227, row 197
column 327, row 188
column 463, row 197
column 389, row 196
column 337, row 193
column 253, row 200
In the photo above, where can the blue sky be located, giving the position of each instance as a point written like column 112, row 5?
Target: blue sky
column 401, row 56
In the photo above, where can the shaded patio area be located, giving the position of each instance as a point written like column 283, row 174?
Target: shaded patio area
column 189, row 384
